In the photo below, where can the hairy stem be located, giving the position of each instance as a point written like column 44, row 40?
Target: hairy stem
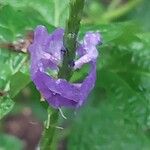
column 70, row 38
column 49, row 130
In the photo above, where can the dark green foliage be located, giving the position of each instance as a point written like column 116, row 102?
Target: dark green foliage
column 120, row 111
column 54, row 11
column 141, row 14
column 14, row 74
column 17, row 82
column 118, row 114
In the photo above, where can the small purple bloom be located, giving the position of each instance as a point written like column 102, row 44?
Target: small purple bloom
column 47, row 52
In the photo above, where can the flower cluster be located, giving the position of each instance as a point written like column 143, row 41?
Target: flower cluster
column 47, row 53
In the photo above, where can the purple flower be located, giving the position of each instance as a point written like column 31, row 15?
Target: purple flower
column 46, row 53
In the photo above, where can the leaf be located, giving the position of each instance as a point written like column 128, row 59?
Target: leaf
column 11, row 29
column 125, row 98
column 6, row 104
column 54, row 11
column 10, row 142
column 105, row 129
column 119, row 120
column 118, row 114
column 140, row 16
column 110, row 35
column 110, row 31
column 127, row 59
column 27, row 19
column 14, row 75
column 17, row 82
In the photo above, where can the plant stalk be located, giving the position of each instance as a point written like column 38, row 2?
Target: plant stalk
column 70, row 37
column 65, row 72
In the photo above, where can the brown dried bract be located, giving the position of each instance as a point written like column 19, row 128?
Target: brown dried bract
column 20, row 45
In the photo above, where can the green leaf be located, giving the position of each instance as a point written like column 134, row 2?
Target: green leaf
column 124, row 97
column 119, row 112
column 54, row 11
column 105, row 129
column 110, row 31
column 27, row 18
column 14, row 75
column 140, row 16
column 10, row 142
column 17, row 82
column 6, row 105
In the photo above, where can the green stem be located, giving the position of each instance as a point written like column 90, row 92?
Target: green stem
column 70, row 38
column 49, row 130
column 113, row 5
column 113, row 11
column 113, row 14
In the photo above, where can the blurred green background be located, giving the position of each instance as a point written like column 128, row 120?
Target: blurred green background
column 116, row 115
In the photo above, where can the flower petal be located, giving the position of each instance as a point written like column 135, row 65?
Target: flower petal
column 88, row 50
column 92, row 38
column 46, row 52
